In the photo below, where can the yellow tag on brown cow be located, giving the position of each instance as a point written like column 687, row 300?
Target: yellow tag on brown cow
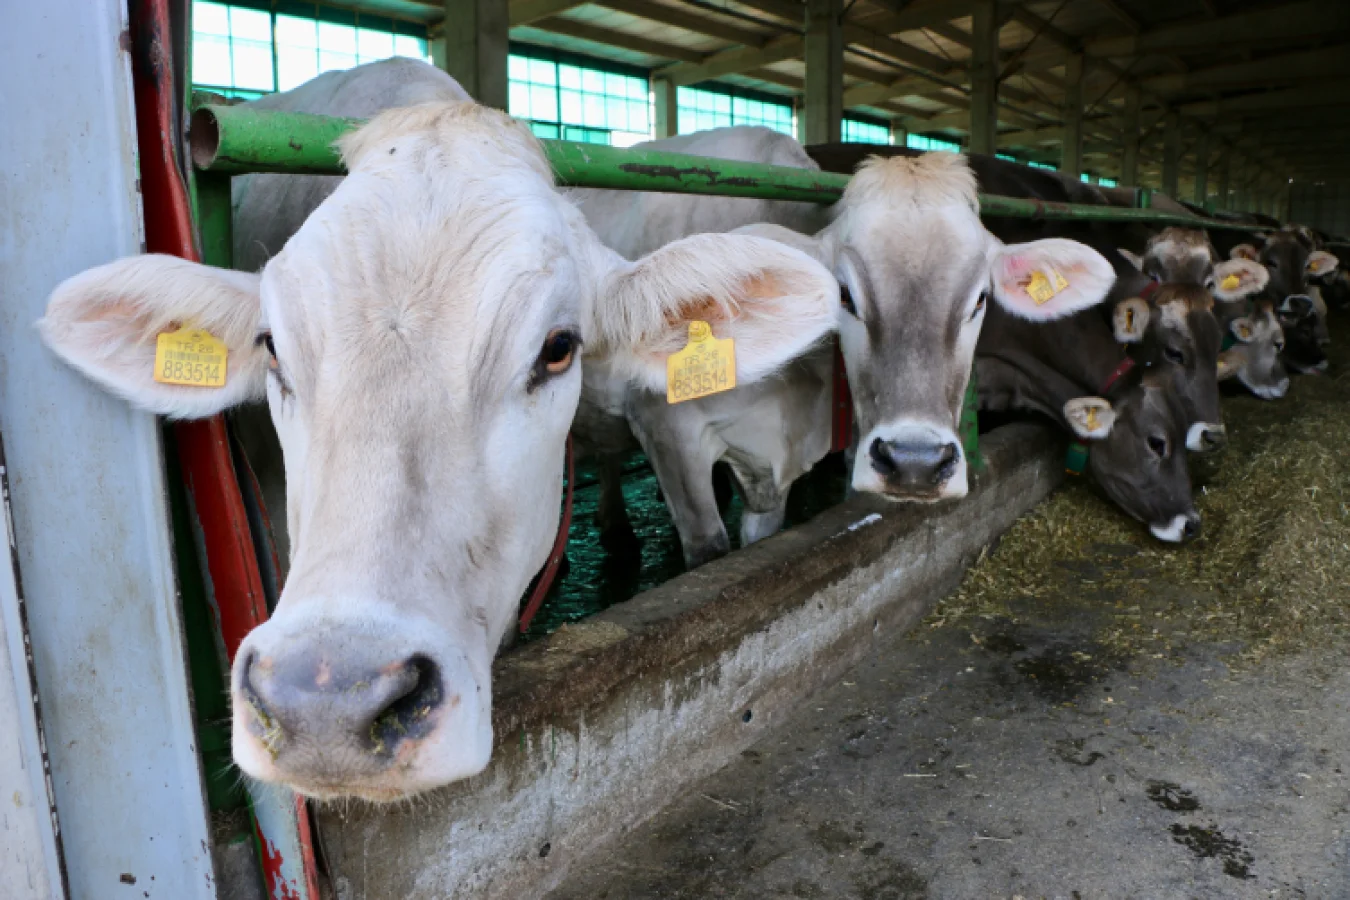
column 1041, row 290
column 190, row 356
column 707, row 365
column 1230, row 283
column 1314, row 265
column 1092, row 423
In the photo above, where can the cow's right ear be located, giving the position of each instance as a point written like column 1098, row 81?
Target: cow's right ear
column 1244, row 251
column 1132, row 258
column 774, row 301
column 1091, row 418
column 106, row 323
column 1239, row 278
column 1048, row 279
column 1129, row 320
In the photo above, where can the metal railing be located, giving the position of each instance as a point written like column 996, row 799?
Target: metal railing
column 238, row 139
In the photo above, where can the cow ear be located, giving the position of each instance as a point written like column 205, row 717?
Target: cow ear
column 1239, row 278
column 1049, row 279
column 1320, row 263
column 1091, row 418
column 1242, row 329
column 1230, row 363
column 1244, row 251
column 773, row 301
column 1130, row 320
column 106, row 323
column 1132, row 258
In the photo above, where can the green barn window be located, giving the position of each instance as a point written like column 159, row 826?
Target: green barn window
column 920, row 142
column 863, row 131
column 700, row 109
column 562, row 98
column 244, row 52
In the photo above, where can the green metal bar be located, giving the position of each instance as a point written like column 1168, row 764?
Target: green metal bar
column 238, row 139
column 215, row 219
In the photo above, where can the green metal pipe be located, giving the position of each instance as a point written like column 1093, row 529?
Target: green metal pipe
column 238, row 139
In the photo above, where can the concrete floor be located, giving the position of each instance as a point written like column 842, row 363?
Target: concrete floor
column 1018, row 755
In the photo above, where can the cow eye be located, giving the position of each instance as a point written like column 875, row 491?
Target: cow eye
column 1158, row 445
column 1209, row 283
column 1279, row 344
column 846, row 300
column 1172, row 354
column 265, row 339
column 979, row 305
column 559, row 348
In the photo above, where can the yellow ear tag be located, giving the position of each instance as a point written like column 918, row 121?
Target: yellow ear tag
column 1092, row 423
column 1041, row 290
column 1314, row 265
column 190, row 356
column 707, row 365
column 1230, row 283
column 1129, row 320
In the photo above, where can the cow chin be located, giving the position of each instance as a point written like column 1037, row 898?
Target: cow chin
column 369, row 708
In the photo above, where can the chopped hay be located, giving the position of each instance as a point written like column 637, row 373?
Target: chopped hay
column 1268, row 570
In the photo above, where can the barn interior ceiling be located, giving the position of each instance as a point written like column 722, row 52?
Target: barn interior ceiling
column 1257, row 87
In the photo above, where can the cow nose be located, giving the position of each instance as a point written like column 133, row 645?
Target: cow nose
column 1191, row 529
column 325, row 701
column 1214, row 439
column 913, row 464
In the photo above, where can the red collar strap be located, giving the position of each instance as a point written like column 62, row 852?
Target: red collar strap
column 544, row 580
column 1153, row 285
column 1120, row 371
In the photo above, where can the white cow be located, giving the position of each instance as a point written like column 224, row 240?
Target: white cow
column 916, row 267
column 420, row 343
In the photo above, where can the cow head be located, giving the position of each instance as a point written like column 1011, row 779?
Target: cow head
column 917, row 268
column 1292, row 260
column 1137, row 443
column 1255, row 357
column 419, row 343
column 1179, row 334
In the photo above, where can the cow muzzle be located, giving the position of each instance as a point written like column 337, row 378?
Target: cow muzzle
column 1179, row 529
column 340, row 711
column 923, row 465
column 1206, row 437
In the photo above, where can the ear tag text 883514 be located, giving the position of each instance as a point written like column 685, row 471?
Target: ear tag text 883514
column 707, row 365
column 1040, row 288
column 190, row 356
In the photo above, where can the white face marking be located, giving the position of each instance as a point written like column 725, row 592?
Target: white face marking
column 1195, row 435
column 1172, row 532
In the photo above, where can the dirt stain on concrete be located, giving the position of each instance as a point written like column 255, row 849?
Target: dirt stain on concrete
column 1210, row 843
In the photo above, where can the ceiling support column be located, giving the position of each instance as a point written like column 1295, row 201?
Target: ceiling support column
column 473, row 51
column 1071, row 160
column 667, row 109
column 1171, row 170
column 984, row 78
column 824, row 96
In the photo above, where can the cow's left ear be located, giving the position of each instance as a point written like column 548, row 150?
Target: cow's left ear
column 772, row 300
column 1129, row 320
column 1239, row 278
column 1320, row 263
column 1049, row 279
column 1091, row 418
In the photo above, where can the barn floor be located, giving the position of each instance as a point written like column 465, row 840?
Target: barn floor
column 1092, row 715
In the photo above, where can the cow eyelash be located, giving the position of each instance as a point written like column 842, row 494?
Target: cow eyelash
column 264, row 339
column 980, row 304
column 846, row 300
